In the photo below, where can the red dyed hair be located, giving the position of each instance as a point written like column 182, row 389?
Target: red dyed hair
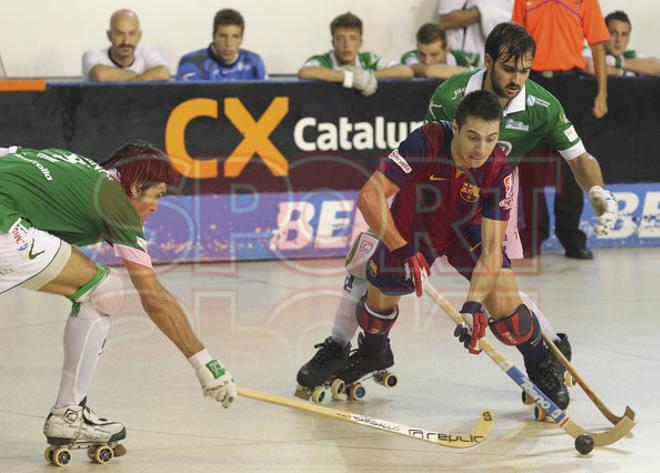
column 141, row 163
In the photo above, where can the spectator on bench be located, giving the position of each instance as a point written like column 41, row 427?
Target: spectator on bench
column 433, row 58
column 346, row 64
column 223, row 59
column 622, row 61
column 124, row 60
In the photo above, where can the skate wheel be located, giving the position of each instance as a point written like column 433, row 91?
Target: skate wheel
column 389, row 380
column 356, row 391
column 62, row 456
column 337, row 388
column 48, row 454
column 119, row 450
column 526, row 399
column 318, row 394
column 539, row 414
column 569, row 380
column 302, row 393
column 103, row 454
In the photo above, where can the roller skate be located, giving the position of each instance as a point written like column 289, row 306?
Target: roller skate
column 363, row 365
column 76, row 427
column 551, row 378
column 318, row 374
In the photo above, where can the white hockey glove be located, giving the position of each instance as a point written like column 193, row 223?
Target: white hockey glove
column 363, row 80
column 606, row 208
column 216, row 382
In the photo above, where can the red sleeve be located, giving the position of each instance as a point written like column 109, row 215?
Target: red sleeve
column 409, row 161
column 595, row 29
column 519, row 15
column 498, row 196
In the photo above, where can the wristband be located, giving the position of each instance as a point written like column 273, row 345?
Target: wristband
column 200, row 359
column 348, row 79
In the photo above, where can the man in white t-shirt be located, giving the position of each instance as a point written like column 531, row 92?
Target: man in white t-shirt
column 124, row 60
column 468, row 22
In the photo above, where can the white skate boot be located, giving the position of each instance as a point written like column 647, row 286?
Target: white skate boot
column 75, row 427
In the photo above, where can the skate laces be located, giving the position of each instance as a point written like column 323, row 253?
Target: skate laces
column 356, row 357
column 327, row 348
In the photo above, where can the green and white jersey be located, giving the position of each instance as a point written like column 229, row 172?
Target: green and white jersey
column 618, row 61
column 69, row 196
column 532, row 116
column 365, row 60
column 454, row 58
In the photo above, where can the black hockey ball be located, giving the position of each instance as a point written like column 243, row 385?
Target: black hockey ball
column 584, row 444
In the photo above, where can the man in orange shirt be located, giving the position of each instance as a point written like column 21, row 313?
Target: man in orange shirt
column 559, row 28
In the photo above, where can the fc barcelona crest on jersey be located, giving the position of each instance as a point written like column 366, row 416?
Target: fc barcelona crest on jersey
column 469, row 192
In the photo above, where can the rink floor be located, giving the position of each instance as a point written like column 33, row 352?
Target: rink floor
column 261, row 319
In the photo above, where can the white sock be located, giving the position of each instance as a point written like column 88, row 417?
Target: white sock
column 545, row 323
column 84, row 339
column 346, row 324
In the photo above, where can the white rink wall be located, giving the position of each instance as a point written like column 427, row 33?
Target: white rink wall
column 46, row 38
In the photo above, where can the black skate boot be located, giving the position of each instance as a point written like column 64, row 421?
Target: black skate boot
column 565, row 348
column 319, row 372
column 363, row 364
column 549, row 377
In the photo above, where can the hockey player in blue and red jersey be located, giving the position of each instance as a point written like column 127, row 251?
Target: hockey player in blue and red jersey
column 452, row 189
column 224, row 59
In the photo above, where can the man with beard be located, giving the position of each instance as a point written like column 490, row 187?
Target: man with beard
column 124, row 60
column 532, row 115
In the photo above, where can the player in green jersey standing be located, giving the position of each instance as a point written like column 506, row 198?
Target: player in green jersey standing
column 52, row 201
column 531, row 115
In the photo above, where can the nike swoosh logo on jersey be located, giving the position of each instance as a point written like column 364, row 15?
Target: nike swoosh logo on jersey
column 435, row 178
column 34, row 255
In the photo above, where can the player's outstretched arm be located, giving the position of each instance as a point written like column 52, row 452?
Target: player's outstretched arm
column 489, row 264
column 586, row 171
column 168, row 316
column 590, row 178
column 372, row 202
column 484, row 276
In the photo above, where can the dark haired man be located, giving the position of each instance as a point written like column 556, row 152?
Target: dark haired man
column 532, row 115
column 52, row 201
column 620, row 60
column 453, row 192
column 346, row 64
column 433, row 58
column 223, row 59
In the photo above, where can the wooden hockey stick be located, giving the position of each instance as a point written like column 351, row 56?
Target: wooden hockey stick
column 446, row 440
column 613, row 418
column 601, row 439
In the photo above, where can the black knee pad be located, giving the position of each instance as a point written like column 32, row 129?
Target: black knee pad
column 372, row 322
column 519, row 327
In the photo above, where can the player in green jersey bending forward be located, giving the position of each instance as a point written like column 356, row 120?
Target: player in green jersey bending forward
column 52, row 201
column 531, row 115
